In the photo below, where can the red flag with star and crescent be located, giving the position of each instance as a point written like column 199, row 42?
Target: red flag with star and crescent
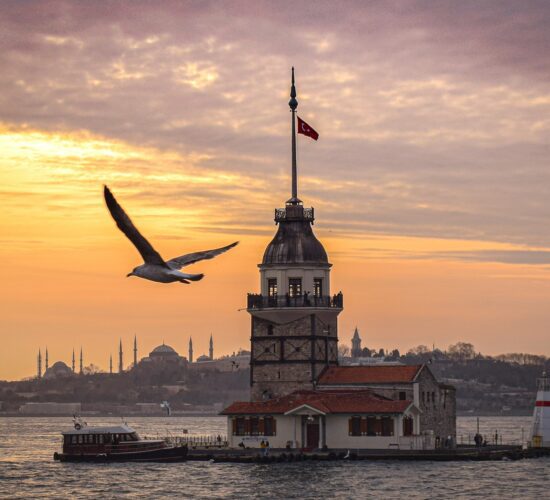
column 304, row 128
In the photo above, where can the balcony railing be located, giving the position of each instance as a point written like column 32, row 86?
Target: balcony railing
column 294, row 213
column 257, row 301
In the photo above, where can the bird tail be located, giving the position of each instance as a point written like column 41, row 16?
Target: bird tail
column 194, row 277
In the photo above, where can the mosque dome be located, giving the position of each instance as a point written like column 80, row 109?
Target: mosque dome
column 294, row 242
column 163, row 352
column 58, row 369
column 163, row 349
column 204, row 357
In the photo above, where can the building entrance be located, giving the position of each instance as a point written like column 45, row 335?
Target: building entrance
column 312, row 439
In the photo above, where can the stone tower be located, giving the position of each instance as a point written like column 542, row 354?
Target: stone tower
column 294, row 318
column 190, row 350
column 211, row 348
column 356, row 344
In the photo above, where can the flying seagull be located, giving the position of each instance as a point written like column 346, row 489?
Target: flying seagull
column 155, row 268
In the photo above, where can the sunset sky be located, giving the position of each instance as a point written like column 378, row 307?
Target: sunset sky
column 430, row 180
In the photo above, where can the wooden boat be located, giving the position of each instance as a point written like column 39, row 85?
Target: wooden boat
column 114, row 444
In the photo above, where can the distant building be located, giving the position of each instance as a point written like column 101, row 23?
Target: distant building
column 58, row 370
column 163, row 354
column 50, row 408
column 356, row 350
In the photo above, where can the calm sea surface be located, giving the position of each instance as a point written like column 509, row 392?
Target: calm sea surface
column 27, row 469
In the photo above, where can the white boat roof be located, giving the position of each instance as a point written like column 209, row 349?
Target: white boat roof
column 114, row 429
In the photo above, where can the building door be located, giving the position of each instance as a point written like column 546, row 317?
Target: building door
column 312, row 430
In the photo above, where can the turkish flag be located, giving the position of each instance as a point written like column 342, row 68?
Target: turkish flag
column 304, row 128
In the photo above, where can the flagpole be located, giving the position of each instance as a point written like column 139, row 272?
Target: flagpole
column 293, row 103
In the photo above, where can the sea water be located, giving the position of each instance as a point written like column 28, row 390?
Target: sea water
column 27, row 469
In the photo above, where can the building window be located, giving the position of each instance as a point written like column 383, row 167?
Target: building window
column 272, row 287
column 295, row 287
column 355, row 426
column 387, row 426
column 402, row 395
column 254, row 426
column 317, row 287
column 408, row 426
column 373, row 426
column 269, row 426
column 239, row 426
column 270, row 329
column 433, row 398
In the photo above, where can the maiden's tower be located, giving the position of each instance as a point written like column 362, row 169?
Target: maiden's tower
column 294, row 330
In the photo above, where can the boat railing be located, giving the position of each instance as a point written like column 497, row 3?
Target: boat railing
column 196, row 441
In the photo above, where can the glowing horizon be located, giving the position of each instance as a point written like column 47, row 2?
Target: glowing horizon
column 429, row 180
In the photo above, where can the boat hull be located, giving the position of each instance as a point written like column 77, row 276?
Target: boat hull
column 173, row 454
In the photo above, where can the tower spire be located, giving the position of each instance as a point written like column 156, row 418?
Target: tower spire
column 135, row 350
column 39, row 364
column 47, row 364
column 111, row 364
column 190, row 349
column 81, row 362
column 72, row 364
column 120, row 364
column 293, row 103
column 211, row 348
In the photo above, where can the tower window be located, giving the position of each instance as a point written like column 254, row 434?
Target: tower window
column 317, row 287
column 295, row 287
column 272, row 287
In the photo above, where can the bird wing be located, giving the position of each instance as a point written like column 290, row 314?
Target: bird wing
column 123, row 222
column 191, row 258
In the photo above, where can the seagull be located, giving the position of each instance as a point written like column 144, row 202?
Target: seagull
column 154, row 267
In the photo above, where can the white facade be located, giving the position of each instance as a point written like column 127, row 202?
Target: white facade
column 332, row 431
column 284, row 273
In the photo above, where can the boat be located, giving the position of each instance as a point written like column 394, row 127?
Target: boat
column 118, row 443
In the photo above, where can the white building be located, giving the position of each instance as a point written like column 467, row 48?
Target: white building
column 308, row 420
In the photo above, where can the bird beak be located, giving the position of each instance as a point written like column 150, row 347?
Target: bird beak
column 129, row 274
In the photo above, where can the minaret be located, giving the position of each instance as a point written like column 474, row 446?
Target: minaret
column 73, row 363
column 356, row 344
column 211, row 348
column 120, row 364
column 111, row 364
column 135, row 350
column 39, row 374
column 81, row 362
column 294, row 317
column 46, row 364
column 190, row 350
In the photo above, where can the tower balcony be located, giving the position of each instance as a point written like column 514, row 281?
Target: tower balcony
column 294, row 213
column 258, row 301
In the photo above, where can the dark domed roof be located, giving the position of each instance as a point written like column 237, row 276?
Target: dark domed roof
column 163, row 349
column 295, row 243
column 58, row 369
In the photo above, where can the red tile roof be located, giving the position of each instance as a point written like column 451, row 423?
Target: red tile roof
column 340, row 401
column 335, row 375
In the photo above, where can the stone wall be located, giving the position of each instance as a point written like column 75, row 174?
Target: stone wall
column 290, row 356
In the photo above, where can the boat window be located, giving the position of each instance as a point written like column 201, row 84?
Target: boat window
column 100, row 440
column 73, row 439
column 80, row 439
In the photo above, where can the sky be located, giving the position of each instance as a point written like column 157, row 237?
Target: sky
column 430, row 179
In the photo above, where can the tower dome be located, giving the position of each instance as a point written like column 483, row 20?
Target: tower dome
column 294, row 242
